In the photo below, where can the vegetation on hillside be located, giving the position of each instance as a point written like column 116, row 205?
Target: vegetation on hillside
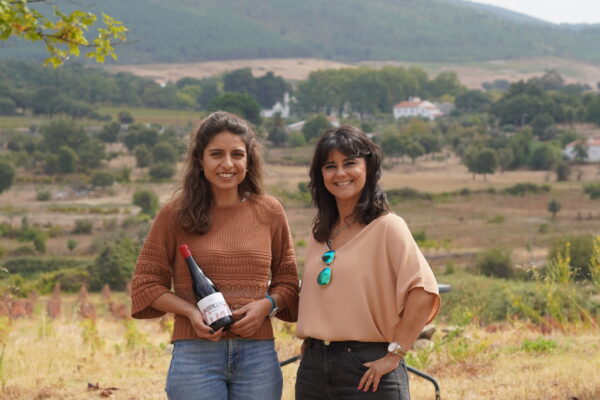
column 406, row 30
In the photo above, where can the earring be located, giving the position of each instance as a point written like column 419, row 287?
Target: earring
column 201, row 169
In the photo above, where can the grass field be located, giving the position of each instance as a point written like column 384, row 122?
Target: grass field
column 60, row 359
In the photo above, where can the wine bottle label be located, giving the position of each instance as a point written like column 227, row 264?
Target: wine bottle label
column 214, row 307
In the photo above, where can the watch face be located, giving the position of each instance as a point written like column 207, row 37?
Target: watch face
column 392, row 346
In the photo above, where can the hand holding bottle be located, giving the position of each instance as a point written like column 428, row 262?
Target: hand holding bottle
column 250, row 317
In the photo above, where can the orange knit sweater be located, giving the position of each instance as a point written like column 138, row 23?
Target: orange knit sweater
column 247, row 244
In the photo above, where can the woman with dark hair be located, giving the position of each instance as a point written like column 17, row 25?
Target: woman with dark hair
column 241, row 239
column 367, row 290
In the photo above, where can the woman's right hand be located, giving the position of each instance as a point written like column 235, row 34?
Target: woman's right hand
column 202, row 330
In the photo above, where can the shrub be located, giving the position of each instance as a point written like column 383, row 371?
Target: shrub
column 403, row 194
column 162, row 171
column 125, row 117
column 592, row 189
column 495, row 262
column 43, row 195
column 103, row 179
column 70, row 279
column 114, row 265
column 7, row 176
column 28, row 266
column 147, row 200
column 521, row 189
column 581, row 249
column 83, row 227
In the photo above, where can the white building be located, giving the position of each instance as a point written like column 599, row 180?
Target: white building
column 417, row 108
column 283, row 108
column 592, row 146
column 297, row 126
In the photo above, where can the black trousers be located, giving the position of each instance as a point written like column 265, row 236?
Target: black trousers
column 333, row 371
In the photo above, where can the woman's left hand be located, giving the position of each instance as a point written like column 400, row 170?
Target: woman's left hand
column 250, row 317
column 376, row 370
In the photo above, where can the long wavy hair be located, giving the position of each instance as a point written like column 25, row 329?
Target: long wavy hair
column 195, row 198
column 353, row 143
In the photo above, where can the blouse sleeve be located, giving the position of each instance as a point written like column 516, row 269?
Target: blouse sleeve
column 152, row 275
column 413, row 271
column 284, row 274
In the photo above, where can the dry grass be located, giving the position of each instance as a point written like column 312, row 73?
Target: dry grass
column 471, row 74
column 50, row 360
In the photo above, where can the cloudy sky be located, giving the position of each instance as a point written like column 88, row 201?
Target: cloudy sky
column 557, row 11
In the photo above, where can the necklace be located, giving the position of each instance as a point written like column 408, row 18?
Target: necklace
column 335, row 233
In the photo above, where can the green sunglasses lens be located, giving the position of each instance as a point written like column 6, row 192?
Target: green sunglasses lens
column 328, row 257
column 324, row 276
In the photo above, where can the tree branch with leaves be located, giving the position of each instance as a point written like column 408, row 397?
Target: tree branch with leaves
column 64, row 34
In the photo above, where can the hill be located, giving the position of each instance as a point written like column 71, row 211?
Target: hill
column 341, row 30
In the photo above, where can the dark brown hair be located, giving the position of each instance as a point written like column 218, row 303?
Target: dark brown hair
column 195, row 197
column 353, row 143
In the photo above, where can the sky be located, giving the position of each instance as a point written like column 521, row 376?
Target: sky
column 557, row 11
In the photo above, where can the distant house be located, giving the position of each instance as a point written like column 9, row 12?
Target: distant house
column 415, row 107
column 592, row 147
column 279, row 107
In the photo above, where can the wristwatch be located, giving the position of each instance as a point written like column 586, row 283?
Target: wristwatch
column 397, row 349
column 274, row 308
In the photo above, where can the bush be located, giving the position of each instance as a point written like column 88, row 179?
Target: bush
column 147, row 200
column 43, row 195
column 102, row 179
column 162, row 171
column 7, row 176
column 521, row 189
column 28, row 266
column 581, row 249
column 70, row 280
column 403, row 194
column 114, row 265
column 495, row 262
column 83, row 227
column 592, row 189
column 125, row 117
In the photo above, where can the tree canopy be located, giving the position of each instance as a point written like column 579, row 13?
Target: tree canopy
column 64, row 34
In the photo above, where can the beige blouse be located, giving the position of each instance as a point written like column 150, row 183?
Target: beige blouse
column 371, row 277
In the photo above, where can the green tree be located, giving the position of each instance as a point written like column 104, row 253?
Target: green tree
column 240, row 81
column 102, row 179
column 481, row 161
column 161, row 171
column 241, row 104
column 143, row 157
column 314, row 126
column 67, row 159
column 544, row 156
column 110, row 132
column 147, row 200
column 71, row 244
column 114, row 265
column 505, row 158
column 563, row 171
column 7, row 175
column 62, row 132
column 125, row 117
column 581, row 151
column 414, row 150
column 540, row 123
column 91, row 154
column 164, row 152
column 64, row 34
column 554, row 207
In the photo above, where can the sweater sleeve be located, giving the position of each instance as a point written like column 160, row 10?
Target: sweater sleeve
column 413, row 271
column 153, row 273
column 284, row 274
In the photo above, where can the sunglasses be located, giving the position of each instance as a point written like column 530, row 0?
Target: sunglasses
column 324, row 277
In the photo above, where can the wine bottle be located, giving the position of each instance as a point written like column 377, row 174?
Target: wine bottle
column 209, row 299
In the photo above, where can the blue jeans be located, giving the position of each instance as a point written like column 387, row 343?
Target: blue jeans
column 234, row 369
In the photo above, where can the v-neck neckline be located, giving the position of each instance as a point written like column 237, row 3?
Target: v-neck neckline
column 359, row 233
